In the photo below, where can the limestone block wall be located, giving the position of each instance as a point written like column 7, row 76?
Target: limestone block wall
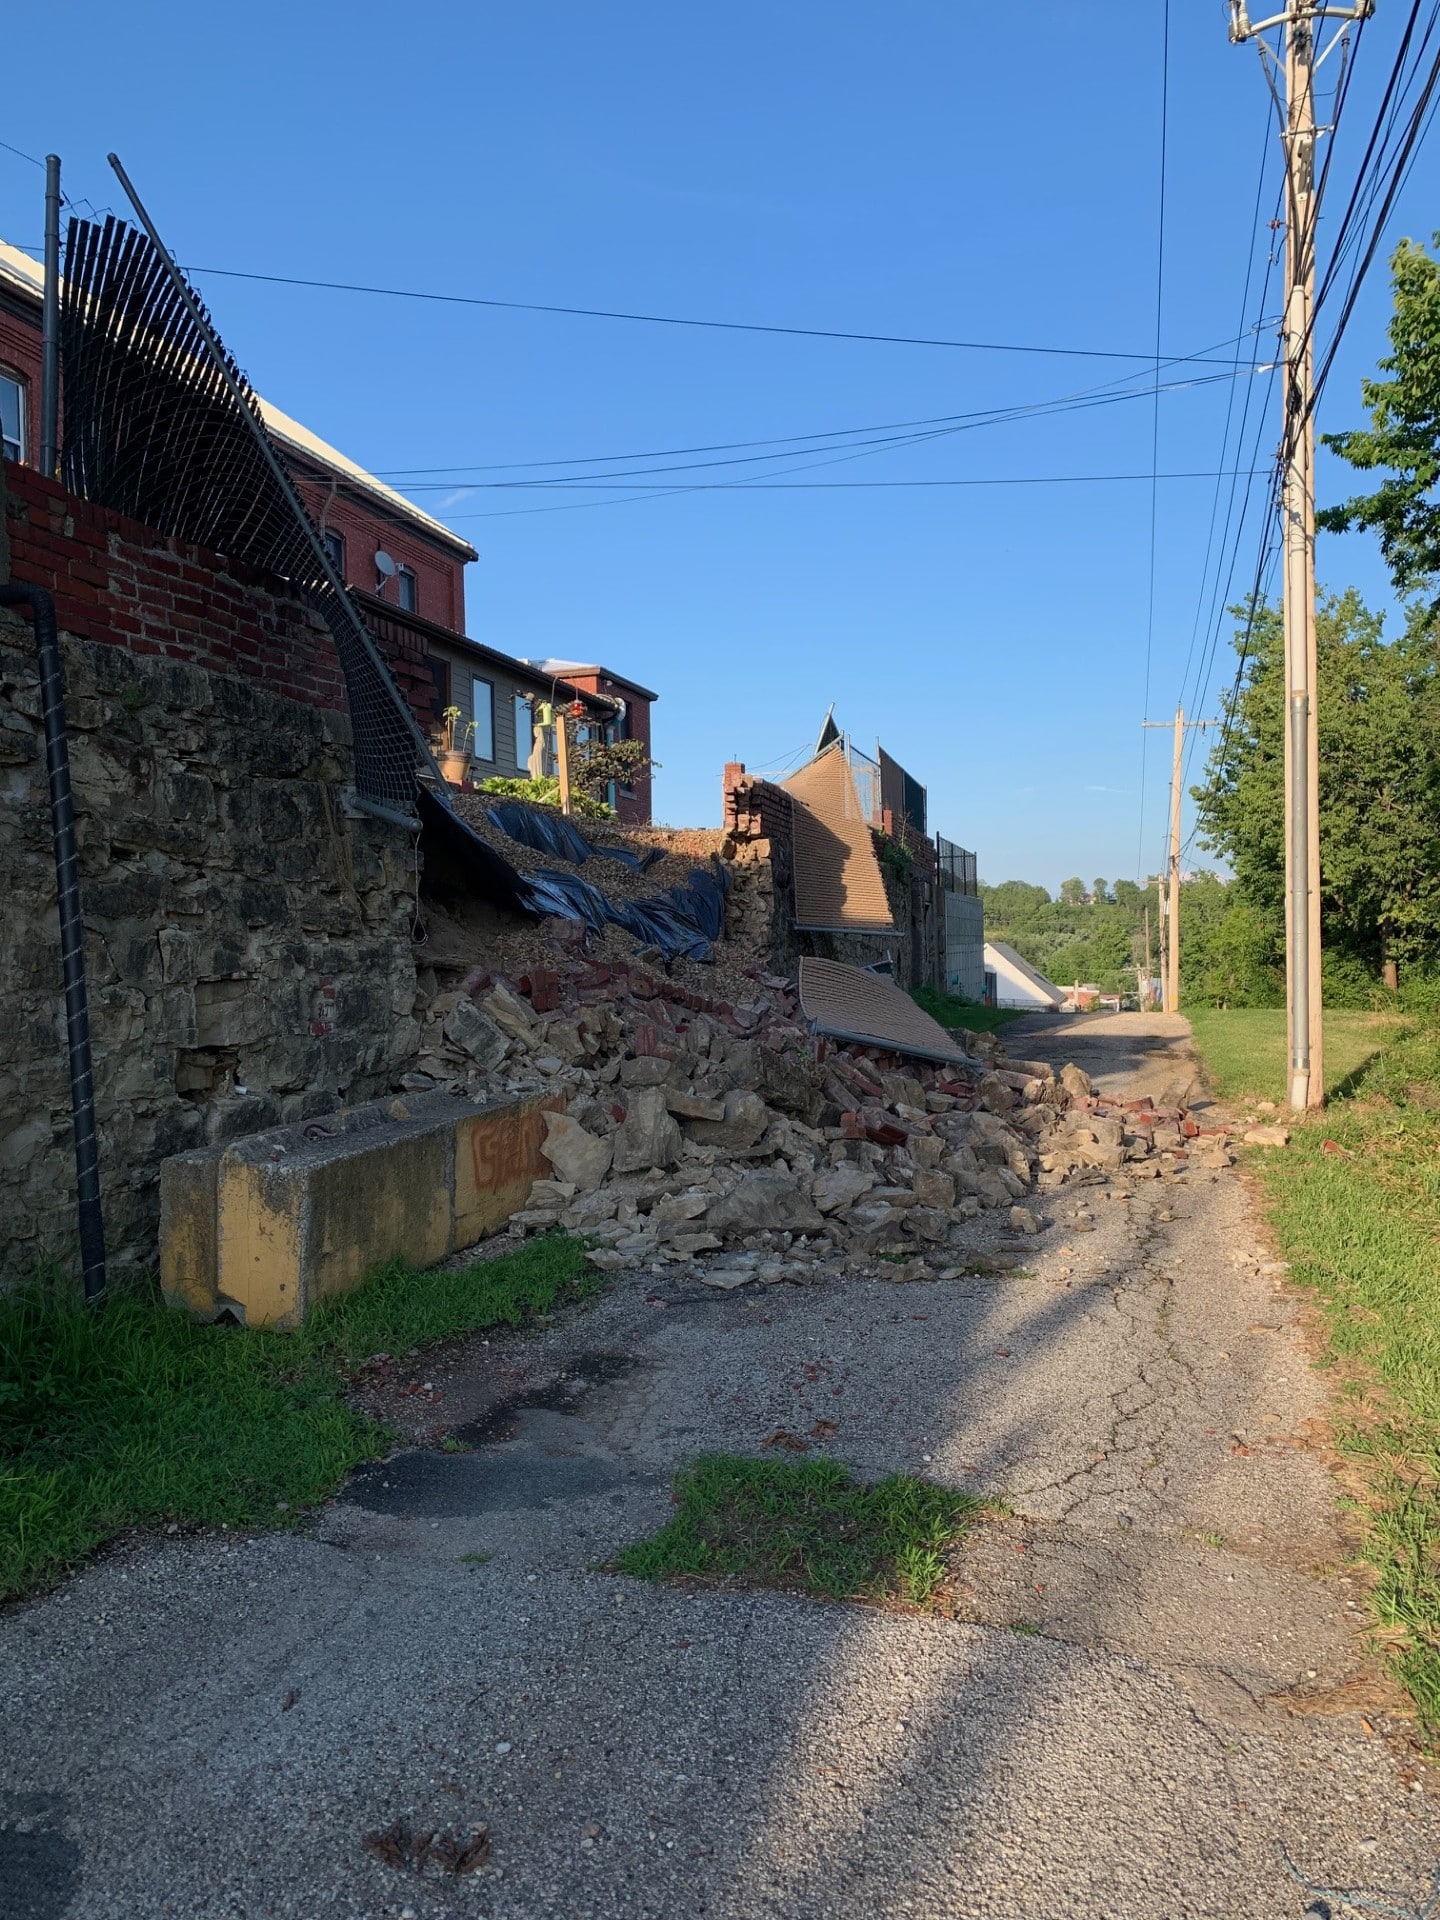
column 248, row 941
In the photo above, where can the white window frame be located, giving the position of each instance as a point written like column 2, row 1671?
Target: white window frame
column 482, row 715
column 22, row 395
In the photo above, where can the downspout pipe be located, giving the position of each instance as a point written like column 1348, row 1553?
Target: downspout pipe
column 72, row 934
column 50, row 325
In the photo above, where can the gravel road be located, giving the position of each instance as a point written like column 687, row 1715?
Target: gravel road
column 1162, row 1679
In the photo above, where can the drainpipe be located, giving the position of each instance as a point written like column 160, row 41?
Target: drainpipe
column 72, row 934
column 50, row 324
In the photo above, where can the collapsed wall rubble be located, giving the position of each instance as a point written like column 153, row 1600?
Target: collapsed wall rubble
column 731, row 1138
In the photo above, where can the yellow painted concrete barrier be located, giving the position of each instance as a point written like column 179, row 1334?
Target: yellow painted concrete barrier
column 265, row 1227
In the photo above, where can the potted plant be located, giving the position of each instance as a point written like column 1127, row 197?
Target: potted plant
column 453, row 755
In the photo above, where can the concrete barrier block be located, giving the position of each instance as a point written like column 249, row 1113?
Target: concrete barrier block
column 497, row 1161
column 266, row 1227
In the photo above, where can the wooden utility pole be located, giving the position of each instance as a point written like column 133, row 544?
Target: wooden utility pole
column 562, row 754
column 1294, row 61
column 1172, row 983
column 1148, row 995
column 1170, row 909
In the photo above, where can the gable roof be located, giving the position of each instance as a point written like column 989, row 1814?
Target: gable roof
column 1023, row 967
column 20, row 273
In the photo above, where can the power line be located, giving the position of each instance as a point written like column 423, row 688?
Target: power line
column 937, row 428
column 1155, row 414
column 671, row 320
column 789, row 486
column 454, row 472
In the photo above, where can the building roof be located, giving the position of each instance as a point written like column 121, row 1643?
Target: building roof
column 1023, row 967
column 838, row 884
column 20, row 272
column 571, row 667
column 852, row 1003
column 547, row 683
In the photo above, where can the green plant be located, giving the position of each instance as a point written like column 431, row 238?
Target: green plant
column 132, row 698
column 968, row 1015
column 545, row 793
column 806, row 1524
column 135, row 1416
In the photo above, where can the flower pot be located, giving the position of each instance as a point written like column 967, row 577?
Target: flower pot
column 454, row 766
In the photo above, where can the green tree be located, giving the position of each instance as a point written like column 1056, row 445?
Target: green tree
column 1404, row 437
column 1379, row 716
column 1229, row 956
column 1100, row 893
column 1072, row 892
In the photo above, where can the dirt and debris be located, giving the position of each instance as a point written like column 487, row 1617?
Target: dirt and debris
column 727, row 1138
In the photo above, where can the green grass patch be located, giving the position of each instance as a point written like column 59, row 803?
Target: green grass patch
column 949, row 1012
column 1355, row 1205
column 136, row 1417
column 807, row 1525
column 1244, row 1048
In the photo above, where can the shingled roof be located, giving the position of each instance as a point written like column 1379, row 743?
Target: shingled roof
column 854, row 1004
column 838, row 883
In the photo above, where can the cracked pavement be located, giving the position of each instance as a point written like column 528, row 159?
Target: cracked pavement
column 1157, row 1676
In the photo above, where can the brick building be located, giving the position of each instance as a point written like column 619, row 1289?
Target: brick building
column 413, row 598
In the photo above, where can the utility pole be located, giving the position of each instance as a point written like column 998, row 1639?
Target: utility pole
column 1149, row 993
column 1170, row 911
column 1293, row 63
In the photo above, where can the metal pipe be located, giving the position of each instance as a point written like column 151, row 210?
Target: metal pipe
column 1300, row 901
column 72, row 934
column 50, row 325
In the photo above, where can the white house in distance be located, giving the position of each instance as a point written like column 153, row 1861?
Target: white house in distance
column 1013, row 982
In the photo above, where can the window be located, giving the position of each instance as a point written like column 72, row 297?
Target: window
column 407, row 593
column 12, row 416
column 524, row 731
column 482, row 712
column 334, row 545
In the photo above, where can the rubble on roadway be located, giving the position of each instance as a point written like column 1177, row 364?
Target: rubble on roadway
column 731, row 1139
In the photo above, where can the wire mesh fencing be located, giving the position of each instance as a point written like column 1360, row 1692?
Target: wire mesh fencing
column 161, row 425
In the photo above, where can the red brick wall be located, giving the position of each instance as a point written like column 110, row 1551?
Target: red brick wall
column 439, row 576
column 633, row 807
column 123, row 584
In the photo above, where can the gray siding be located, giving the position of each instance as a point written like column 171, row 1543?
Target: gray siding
column 964, row 946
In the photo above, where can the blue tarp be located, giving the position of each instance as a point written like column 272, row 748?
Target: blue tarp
column 548, row 832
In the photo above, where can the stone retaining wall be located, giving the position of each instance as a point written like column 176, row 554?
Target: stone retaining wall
column 248, row 941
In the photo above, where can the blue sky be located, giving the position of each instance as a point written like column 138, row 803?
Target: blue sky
column 922, row 169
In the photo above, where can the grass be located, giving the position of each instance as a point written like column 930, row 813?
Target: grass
column 136, row 1417
column 949, row 1012
column 1244, row 1048
column 1355, row 1206
column 806, row 1525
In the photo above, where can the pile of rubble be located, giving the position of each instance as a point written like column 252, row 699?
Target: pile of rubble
column 731, row 1136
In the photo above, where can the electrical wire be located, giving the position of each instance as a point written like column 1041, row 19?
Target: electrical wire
column 1155, row 414
column 670, row 319
column 455, row 472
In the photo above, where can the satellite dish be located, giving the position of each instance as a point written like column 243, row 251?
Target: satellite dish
column 384, row 565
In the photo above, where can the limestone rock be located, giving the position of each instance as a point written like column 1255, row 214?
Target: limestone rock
column 693, row 1106
column 933, row 1189
column 575, row 1154
column 746, row 1118
column 840, row 1187
column 1271, row 1136
column 648, row 1135
column 1022, row 1220
column 472, row 1031
column 995, row 1096
column 510, row 1015
column 645, row 1070
column 764, row 1199
column 1075, row 1081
